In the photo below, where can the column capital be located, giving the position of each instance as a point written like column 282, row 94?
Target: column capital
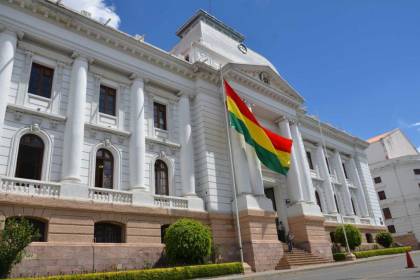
column 81, row 57
column 11, row 31
column 136, row 77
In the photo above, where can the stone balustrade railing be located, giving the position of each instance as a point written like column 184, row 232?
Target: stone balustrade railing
column 170, row 202
column 331, row 218
column 110, row 196
column 29, row 187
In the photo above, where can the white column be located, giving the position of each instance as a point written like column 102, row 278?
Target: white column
column 255, row 172
column 187, row 150
column 307, row 185
column 360, row 193
column 8, row 41
column 338, row 167
column 137, row 138
column 243, row 178
column 327, row 184
column 294, row 183
column 74, row 130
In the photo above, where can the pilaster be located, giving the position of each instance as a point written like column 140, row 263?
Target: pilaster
column 327, row 184
column 338, row 167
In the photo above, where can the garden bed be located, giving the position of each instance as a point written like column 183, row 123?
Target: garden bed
column 174, row 273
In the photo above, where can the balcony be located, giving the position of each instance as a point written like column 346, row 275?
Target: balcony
column 29, row 187
column 336, row 218
column 170, row 202
column 110, row 196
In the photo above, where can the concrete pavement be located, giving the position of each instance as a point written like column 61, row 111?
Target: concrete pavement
column 383, row 267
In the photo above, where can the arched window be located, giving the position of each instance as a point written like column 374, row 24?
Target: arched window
column 332, row 236
column 104, row 173
column 161, row 178
column 30, row 157
column 163, row 229
column 369, row 238
column 106, row 232
column 336, row 204
column 318, row 200
column 38, row 225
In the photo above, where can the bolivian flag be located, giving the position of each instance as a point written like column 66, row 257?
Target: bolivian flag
column 272, row 150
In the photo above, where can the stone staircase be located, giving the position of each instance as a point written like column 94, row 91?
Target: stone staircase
column 298, row 258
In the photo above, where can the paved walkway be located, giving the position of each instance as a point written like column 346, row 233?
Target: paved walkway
column 382, row 267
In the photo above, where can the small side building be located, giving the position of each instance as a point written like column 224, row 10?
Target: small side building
column 395, row 166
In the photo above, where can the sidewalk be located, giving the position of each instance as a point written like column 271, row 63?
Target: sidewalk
column 268, row 274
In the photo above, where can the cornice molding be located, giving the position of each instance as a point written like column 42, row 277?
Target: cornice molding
column 332, row 132
column 111, row 37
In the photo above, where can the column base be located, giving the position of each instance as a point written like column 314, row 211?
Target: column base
column 70, row 189
column 250, row 201
column 261, row 247
column 310, row 235
column 195, row 203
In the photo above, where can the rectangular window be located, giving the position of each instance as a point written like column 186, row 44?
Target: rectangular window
column 416, row 171
column 107, row 100
column 328, row 165
column 391, row 229
column 377, row 180
column 159, row 115
column 309, row 156
column 387, row 213
column 381, row 195
column 345, row 171
column 40, row 82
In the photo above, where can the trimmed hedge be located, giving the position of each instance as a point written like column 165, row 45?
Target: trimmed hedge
column 187, row 242
column 381, row 252
column 339, row 256
column 175, row 273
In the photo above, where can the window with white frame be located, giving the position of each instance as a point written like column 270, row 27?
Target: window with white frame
column 41, row 80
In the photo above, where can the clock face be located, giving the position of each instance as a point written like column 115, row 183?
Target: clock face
column 242, row 48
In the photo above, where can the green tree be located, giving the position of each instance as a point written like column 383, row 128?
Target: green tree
column 188, row 242
column 384, row 238
column 15, row 237
column 354, row 236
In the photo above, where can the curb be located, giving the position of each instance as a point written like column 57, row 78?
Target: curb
column 259, row 275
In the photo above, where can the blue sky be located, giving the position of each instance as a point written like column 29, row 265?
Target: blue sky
column 356, row 62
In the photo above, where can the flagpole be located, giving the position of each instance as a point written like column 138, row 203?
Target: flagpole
column 238, row 226
column 324, row 147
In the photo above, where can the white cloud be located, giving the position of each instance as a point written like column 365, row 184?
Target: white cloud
column 415, row 124
column 99, row 10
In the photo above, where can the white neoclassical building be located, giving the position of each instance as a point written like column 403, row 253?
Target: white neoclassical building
column 395, row 165
column 106, row 140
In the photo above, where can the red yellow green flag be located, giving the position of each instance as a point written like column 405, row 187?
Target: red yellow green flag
column 272, row 149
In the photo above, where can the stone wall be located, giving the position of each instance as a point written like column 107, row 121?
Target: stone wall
column 262, row 249
column 70, row 231
column 310, row 234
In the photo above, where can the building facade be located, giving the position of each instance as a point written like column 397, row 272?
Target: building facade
column 106, row 140
column 395, row 166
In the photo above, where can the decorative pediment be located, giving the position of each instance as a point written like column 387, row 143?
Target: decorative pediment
column 270, row 78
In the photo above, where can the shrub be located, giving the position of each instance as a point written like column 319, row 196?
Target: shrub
column 17, row 234
column 175, row 273
column 354, row 236
column 381, row 252
column 187, row 242
column 384, row 238
column 339, row 256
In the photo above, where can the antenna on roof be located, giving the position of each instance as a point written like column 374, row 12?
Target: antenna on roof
column 106, row 23
column 210, row 2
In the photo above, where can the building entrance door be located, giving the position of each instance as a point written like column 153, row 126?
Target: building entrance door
column 281, row 231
